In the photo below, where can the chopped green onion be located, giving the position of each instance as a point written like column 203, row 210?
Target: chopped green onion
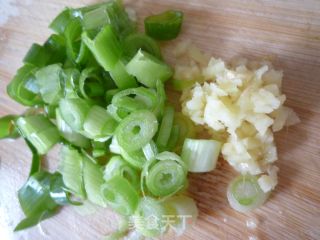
column 133, row 99
column 39, row 131
column 36, row 159
column 174, row 138
column 166, row 176
column 150, row 150
column 72, row 35
column 91, row 84
column 73, row 137
column 120, row 195
column 56, row 46
column 114, row 146
column 165, row 128
column 119, row 19
column 184, row 210
column 71, row 82
column 186, row 129
column 161, row 94
column 244, row 193
column 74, row 112
column 93, row 180
column 180, row 85
column 136, row 130
column 105, row 47
column 200, row 155
column 37, row 55
column 136, row 41
column 60, row 23
column 150, row 209
column 35, row 199
column 7, row 128
column 136, row 158
column 23, row 88
column 70, row 167
column 121, row 77
column 164, row 26
column 49, row 82
column 98, row 123
column 110, row 93
column 95, row 19
column 148, row 69
column 119, row 167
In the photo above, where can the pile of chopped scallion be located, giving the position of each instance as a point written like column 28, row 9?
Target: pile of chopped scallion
column 96, row 87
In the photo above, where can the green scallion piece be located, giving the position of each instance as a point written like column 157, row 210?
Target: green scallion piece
column 166, row 175
column 105, row 47
column 120, row 195
column 164, row 26
column 150, row 208
column 200, row 155
column 148, row 69
column 165, row 128
column 117, row 166
column 49, row 82
column 70, row 135
column 93, row 180
column 136, row 41
column 74, row 112
column 23, row 87
column 136, row 130
column 60, row 23
column 39, row 131
column 244, row 193
column 70, row 167
column 98, row 123
column 7, row 127
column 121, row 77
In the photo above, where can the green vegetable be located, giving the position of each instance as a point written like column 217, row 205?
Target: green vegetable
column 23, row 87
column 153, row 210
column 244, row 193
column 49, row 82
column 136, row 41
column 70, row 135
column 38, row 198
column 93, row 180
column 98, row 123
column 148, row 69
column 183, row 209
column 201, row 155
column 119, row 167
column 39, row 131
column 136, row 130
column 7, row 127
column 120, row 195
column 70, row 167
column 164, row 26
column 165, row 128
column 74, row 112
column 165, row 176
column 105, row 47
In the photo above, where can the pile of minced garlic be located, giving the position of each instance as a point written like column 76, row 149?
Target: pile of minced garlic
column 244, row 100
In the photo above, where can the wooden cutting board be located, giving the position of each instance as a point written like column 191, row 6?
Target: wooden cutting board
column 286, row 31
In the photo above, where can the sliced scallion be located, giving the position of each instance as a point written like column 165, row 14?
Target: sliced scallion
column 7, row 128
column 120, row 195
column 164, row 26
column 200, row 155
column 136, row 130
column 148, row 69
column 244, row 193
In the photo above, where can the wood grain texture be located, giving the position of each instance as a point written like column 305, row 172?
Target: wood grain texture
column 286, row 31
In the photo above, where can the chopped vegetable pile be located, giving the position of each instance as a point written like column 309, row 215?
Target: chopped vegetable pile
column 96, row 88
